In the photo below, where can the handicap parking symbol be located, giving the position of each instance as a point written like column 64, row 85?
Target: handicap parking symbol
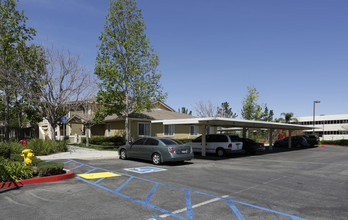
column 145, row 169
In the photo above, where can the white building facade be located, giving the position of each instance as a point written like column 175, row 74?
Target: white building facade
column 328, row 127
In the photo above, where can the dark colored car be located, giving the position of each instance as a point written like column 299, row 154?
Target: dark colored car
column 157, row 150
column 251, row 146
column 296, row 141
column 312, row 139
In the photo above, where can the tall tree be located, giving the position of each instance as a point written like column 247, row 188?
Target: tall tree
column 205, row 109
column 225, row 111
column 66, row 82
column 126, row 64
column 14, row 35
column 252, row 110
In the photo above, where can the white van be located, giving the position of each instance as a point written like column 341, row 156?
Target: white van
column 218, row 143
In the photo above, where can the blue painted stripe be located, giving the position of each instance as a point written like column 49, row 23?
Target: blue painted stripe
column 189, row 212
column 68, row 161
column 148, row 198
column 235, row 210
column 96, row 182
column 90, row 170
column 77, row 167
column 192, row 191
column 51, row 160
column 125, row 183
column 133, row 199
column 269, row 210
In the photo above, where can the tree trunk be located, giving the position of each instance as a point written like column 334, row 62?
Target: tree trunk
column 126, row 121
column 7, row 116
column 53, row 132
column 87, row 135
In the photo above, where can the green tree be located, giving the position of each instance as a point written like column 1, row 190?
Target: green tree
column 251, row 110
column 14, row 34
column 225, row 111
column 126, row 64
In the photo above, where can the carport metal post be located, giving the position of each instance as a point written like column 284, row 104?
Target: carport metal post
column 289, row 143
column 244, row 132
column 270, row 139
column 204, row 142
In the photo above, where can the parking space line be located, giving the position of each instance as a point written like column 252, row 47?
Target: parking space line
column 235, row 210
column 148, row 198
column 188, row 193
column 125, row 183
column 189, row 212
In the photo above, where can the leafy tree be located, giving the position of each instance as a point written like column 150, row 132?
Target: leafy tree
column 288, row 117
column 126, row 64
column 14, row 55
column 252, row 110
column 225, row 111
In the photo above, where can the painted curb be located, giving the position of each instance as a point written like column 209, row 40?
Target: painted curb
column 332, row 145
column 68, row 175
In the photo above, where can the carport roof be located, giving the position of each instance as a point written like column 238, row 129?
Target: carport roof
column 229, row 122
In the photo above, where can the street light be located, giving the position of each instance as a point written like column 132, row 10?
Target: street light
column 314, row 113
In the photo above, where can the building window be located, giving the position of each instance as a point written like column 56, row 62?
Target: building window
column 168, row 130
column 193, row 130
column 144, row 129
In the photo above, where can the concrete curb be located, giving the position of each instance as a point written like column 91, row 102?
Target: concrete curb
column 68, row 175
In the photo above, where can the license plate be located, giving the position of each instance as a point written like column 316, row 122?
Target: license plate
column 184, row 152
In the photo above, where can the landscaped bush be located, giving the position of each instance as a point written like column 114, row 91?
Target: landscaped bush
column 50, row 168
column 335, row 142
column 5, row 151
column 14, row 171
column 114, row 140
column 45, row 147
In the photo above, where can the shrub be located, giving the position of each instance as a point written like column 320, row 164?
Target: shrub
column 45, row 147
column 50, row 168
column 335, row 142
column 14, row 171
column 5, row 151
column 115, row 140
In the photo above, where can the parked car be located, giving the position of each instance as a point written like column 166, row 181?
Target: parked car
column 157, row 150
column 296, row 141
column 252, row 146
column 219, row 144
column 312, row 139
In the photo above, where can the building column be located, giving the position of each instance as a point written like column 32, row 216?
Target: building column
column 58, row 132
column 244, row 132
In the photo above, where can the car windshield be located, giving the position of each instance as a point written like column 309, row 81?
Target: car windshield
column 169, row 141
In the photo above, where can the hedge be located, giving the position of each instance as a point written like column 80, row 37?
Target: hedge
column 115, row 140
column 335, row 142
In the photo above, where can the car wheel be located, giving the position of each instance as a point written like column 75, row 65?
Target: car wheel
column 123, row 154
column 156, row 159
column 220, row 152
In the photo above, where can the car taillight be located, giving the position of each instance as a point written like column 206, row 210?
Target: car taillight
column 230, row 146
column 171, row 150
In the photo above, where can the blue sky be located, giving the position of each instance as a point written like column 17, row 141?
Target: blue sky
column 292, row 51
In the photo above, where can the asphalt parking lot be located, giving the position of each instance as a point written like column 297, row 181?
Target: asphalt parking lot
column 299, row 184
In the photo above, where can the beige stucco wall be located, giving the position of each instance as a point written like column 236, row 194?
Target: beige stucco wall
column 76, row 129
column 116, row 128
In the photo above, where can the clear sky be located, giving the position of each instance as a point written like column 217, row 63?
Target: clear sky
column 292, row 51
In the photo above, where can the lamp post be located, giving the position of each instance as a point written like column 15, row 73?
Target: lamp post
column 314, row 113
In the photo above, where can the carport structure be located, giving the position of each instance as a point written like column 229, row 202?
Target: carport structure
column 204, row 123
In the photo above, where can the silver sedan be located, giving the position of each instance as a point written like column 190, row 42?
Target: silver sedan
column 157, row 150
